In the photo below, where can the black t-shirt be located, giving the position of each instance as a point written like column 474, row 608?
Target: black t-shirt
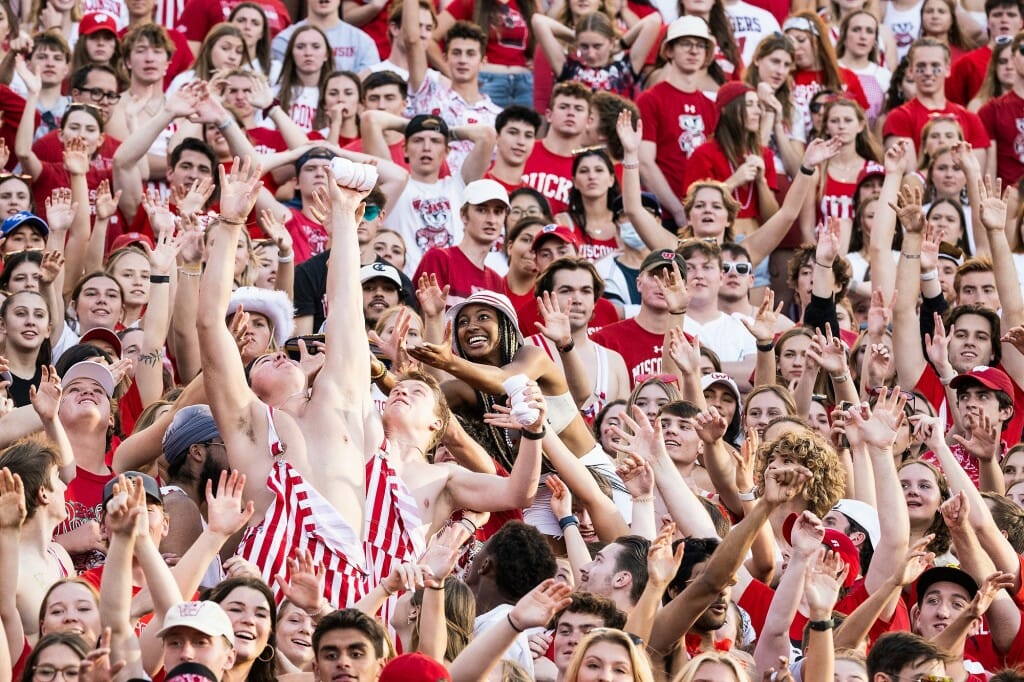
column 311, row 288
column 18, row 390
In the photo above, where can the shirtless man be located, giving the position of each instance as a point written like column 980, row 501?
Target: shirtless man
column 328, row 427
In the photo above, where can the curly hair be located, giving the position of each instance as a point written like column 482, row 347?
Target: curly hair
column 522, row 559
column 828, row 479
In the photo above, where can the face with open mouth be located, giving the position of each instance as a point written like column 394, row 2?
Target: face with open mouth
column 71, row 607
column 921, row 492
column 295, row 635
column 250, row 619
column 478, row 330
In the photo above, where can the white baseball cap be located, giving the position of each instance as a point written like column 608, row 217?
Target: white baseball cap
column 205, row 616
column 378, row 270
column 864, row 515
column 87, row 369
column 482, row 191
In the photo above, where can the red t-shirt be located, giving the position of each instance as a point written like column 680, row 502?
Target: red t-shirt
column 508, row 187
column 508, row 35
column 1003, row 118
column 678, row 123
column 551, row 175
column 12, row 106
column 49, row 150
column 967, row 75
column 454, row 269
column 930, row 387
column 837, row 197
column 709, row 161
column 53, row 176
column 308, row 236
column 807, row 83
column 908, row 120
column 83, row 501
column 640, row 348
column 377, row 28
column 199, row 16
column 519, row 301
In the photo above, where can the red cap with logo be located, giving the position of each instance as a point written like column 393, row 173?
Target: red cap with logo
column 835, row 541
column 415, row 667
column 563, row 232
column 97, row 21
column 991, row 378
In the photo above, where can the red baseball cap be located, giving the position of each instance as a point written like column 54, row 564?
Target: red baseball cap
column 563, row 232
column 415, row 667
column 129, row 238
column 837, row 542
column 991, row 378
column 97, row 21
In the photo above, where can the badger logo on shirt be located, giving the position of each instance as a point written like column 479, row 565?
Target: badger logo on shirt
column 434, row 214
column 691, row 133
column 1018, row 142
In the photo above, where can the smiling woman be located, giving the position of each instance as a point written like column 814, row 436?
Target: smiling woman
column 250, row 605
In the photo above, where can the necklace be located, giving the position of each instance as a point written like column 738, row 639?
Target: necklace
column 744, row 205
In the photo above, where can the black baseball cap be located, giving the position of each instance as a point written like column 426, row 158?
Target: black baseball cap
column 426, row 122
column 149, row 484
column 314, row 153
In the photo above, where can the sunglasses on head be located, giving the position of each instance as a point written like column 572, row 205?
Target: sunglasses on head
column 738, row 268
column 911, row 398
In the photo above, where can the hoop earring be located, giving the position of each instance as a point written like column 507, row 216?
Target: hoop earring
column 268, row 659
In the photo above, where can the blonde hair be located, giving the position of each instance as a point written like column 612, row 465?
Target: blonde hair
column 689, row 671
column 637, row 658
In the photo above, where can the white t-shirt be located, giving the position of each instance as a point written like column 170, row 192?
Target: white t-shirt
column 304, row 106
column 725, row 335
column 750, row 25
column 427, row 216
column 905, row 25
column 353, row 49
column 520, row 649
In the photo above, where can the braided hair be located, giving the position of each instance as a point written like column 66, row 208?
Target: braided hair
column 509, row 345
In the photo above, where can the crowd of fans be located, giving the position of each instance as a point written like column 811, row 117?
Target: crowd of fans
column 512, row 340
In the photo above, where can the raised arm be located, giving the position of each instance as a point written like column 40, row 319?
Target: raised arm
column 883, row 269
column 30, row 163
column 662, row 567
column 415, row 49
column 550, row 34
column 12, row 516
column 647, row 226
column 478, row 160
column 906, row 332
column 149, row 374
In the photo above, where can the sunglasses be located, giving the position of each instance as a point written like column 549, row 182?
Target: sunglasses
column 371, row 212
column 738, row 268
column 823, row 101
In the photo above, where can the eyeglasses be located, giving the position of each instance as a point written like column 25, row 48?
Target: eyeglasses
column 49, row 672
column 738, row 268
column 687, row 44
column 214, row 442
column 371, row 212
column 823, row 101
column 519, row 211
column 100, row 95
column 934, row 69
column 1020, row 49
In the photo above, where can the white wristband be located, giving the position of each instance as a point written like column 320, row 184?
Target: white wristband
column 929, row 276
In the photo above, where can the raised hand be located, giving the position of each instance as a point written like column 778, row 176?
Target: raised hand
column 238, row 190
column 225, row 511
column 930, row 247
column 628, row 136
column 406, row 576
column 763, row 326
column 304, row 586
column 710, row 426
column 929, row 430
column 807, row 535
column 261, row 96
column 502, row 417
column 430, row 295
column 908, row 208
column 783, row 483
column 540, row 604
column 955, row 512
column 984, row 442
column 443, row 552
column 637, row 475
column 822, row 581
column 987, row 592
column 897, row 157
column 125, row 507
column 884, row 420
column 556, row 326
column 561, row 498
column 643, row 439
column 191, row 200
column 828, row 352
column 33, row 83
column 161, row 219
column 916, row 562
column 673, row 288
column 828, row 246
column 192, row 241
column 76, row 156
column 993, row 205
column 437, row 355
column 879, row 315
column 96, row 666
column 744, row 460
column 5, row 154
column 106, row 204
column 879, row 364
column 662, row 562
column 60, row 210
column 937, row 346
column 819, row 151
column 274, row 227
column 163, row 257
column 962, row 155
column 45, row 397
column 12, row 500
column 394, row 347
column 240, row 331
column 685, row 352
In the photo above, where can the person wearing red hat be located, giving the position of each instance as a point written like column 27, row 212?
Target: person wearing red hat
column 97, row 42
column 736, row 157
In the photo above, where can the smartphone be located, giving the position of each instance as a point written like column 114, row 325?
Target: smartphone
column 291, row 346
column 379, row 354
column 845, row 406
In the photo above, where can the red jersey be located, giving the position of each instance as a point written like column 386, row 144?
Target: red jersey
column 930, row 387
column 83, row 500
column 508, row 34
column 1003, row 118
column 807, row 83
column 640, row 348
column 677, row 122
column 508, row 187
column 709, row 161
column 967, row 75
column 308, row 236
column 12, row 106
column 594, row 249
column 454, row 269
column 377, row 28
column 519, row 301
column 551, row 175
column 199, row 16
column 908, row 120
column 53, row 176
column 50, row 150
column 837, row 197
